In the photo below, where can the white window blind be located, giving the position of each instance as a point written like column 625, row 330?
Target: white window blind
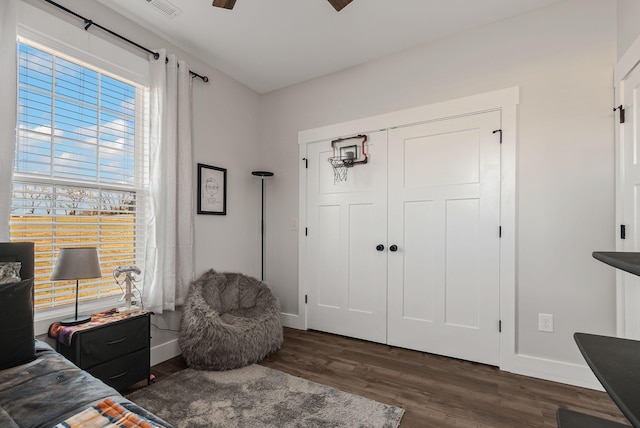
column 80, row 169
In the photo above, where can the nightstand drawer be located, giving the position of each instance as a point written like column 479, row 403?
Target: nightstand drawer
column 113, row 340
column 124, row 371
column 116, row 352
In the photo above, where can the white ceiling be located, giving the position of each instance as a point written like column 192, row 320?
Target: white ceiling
column 271, row 44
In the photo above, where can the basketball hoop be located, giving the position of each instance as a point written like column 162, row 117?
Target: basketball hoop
column 340, row 167
column 346, row 156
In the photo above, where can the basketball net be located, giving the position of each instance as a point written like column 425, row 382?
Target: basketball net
column 340, row 168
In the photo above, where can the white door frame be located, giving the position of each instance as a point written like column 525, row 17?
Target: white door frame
column 629, row 61
column 506, row 101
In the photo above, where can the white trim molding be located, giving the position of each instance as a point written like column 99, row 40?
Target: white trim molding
column 628, row 62
column 165, row 351
column 555, row 371
column 293, row 321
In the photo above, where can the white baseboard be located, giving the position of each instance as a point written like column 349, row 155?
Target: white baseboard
column 555, row 371
column 165, row 351
column 292, row 320
column 168, row 349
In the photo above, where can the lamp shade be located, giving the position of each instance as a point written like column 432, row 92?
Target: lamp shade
column 77, row 263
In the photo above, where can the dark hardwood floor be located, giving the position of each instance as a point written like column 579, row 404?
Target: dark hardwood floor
column 435, row 391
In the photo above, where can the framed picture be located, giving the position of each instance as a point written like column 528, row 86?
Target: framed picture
column 212, row 190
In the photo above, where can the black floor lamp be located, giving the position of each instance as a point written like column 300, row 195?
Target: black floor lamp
column 262, row 175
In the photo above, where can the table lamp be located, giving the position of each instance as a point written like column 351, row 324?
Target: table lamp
column 76, row 263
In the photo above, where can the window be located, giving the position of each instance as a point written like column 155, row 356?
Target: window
column 80, row 169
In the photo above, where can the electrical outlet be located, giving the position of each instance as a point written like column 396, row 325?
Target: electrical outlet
column 545, row 323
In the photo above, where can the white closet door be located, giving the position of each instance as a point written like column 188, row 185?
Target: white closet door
column 347, row 276
column 444, row 210
column 631, row 194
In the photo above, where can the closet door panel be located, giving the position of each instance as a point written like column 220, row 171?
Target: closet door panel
column 328, row 234
column 419, row 260
column 360, row 259
column 425, row 164
column 461, row 263
column 448, row 257
column 347, row 220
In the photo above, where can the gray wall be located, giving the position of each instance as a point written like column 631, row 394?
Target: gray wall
column 628, row 24
column 562, row 57
column 225, row 131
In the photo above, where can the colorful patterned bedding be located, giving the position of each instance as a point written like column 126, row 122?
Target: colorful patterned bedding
column 106, row 414
column 39, row 387
column 50, row 390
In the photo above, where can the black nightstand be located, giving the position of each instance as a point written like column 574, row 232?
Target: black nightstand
column 118, row 353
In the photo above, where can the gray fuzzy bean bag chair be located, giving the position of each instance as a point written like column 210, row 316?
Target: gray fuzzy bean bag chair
column 229, row 320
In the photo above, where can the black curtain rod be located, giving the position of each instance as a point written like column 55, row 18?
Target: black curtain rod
column 88, row 23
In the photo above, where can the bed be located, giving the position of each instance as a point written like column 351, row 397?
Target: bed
column 38, row 386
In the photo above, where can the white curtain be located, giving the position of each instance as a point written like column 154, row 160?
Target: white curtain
column 169, row 253
column 8, row 95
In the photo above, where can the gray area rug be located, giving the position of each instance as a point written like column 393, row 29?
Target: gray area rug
column 257, row 396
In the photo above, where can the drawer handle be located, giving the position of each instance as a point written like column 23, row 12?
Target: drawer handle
column 113, row 342
column 119, row 375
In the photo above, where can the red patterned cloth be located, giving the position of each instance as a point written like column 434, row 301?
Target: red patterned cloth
column 64, row 334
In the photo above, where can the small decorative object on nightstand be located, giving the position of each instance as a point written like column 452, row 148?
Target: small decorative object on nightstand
column 116, row 352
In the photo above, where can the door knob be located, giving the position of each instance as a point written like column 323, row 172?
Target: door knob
column 380, row 247
column 393, row 248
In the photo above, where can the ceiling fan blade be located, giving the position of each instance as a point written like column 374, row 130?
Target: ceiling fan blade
column 227, row 4
column 339, row 4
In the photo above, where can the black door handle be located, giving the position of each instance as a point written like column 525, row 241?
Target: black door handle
column 380, row 247
column 393, row 248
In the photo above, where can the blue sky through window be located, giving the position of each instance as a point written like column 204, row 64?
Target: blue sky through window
column 74, row 122
column 79, row 168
